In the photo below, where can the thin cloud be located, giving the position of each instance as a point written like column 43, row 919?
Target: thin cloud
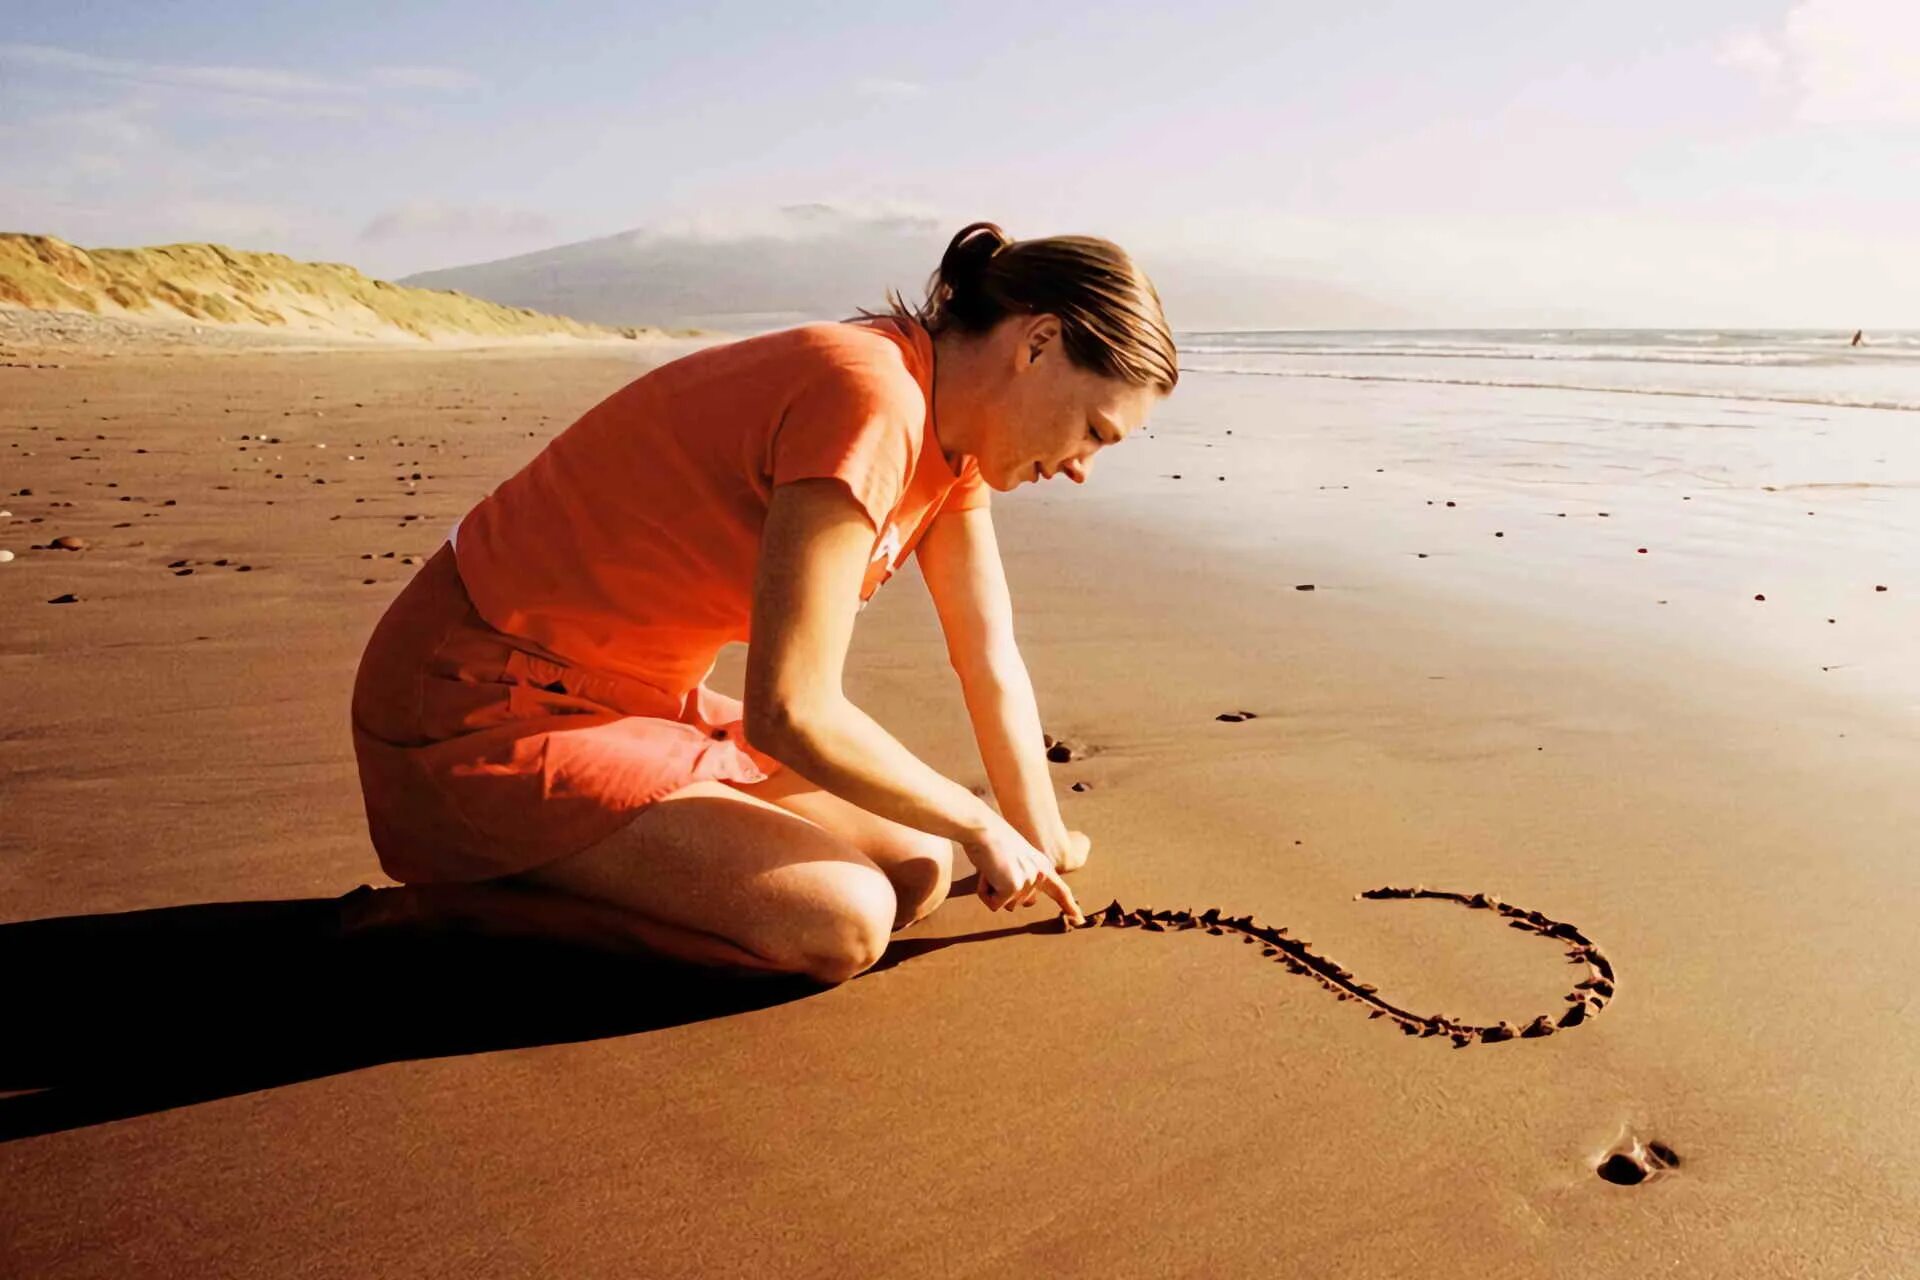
column 430, row 218
column 1753, row 53
column 880, row 87
column 446, row 79
column 258, row 81
column 1848, row 61
column 296, row 90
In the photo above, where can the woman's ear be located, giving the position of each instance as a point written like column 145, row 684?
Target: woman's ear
column 1040, row 334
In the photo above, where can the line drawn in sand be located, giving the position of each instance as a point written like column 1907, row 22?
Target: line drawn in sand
column 1587, row 998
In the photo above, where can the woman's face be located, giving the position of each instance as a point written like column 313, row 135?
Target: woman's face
column 1048, row 417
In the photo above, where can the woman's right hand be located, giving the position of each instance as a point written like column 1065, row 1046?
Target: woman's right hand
column 1014, row 874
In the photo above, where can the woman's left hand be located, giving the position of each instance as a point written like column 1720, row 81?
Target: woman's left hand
column 1074, row 856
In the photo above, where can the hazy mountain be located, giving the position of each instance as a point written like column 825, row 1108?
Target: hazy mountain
column 818, row 262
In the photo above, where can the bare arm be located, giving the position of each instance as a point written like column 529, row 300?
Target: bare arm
column 960, row 560
column 807, row 589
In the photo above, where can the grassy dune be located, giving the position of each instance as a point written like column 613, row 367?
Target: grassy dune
column 212, row 284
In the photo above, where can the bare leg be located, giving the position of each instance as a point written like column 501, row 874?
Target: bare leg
column 707, row 876
column 510, row 908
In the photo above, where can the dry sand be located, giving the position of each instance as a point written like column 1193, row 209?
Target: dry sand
column 212, row 1091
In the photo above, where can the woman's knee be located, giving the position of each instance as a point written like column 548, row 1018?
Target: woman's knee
column 846, row 929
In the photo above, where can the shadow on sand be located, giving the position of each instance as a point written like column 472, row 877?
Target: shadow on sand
column 112, row 1016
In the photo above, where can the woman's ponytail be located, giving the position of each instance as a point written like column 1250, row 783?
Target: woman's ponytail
column 1110, row 315
column 961, row 279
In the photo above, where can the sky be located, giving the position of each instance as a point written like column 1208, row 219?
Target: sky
column 1643, row 162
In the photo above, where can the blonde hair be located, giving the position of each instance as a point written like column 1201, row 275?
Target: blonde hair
column 1110, row 317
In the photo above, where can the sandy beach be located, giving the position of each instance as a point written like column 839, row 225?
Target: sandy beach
column 1490, row 688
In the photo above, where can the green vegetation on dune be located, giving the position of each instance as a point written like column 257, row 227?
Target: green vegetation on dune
column 213, row 284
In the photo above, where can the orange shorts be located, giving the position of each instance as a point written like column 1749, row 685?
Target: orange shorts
column 482, row 754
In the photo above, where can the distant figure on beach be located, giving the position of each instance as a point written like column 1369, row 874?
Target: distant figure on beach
column 1856, row 337
column 538, row 751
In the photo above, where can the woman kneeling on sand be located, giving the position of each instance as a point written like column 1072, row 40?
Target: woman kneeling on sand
column 538, row 751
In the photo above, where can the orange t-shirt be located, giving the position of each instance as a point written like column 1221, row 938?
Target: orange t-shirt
column 629, row 543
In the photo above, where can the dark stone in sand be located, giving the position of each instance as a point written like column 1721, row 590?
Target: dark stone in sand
column 1879, row 588
column 181, row 573
column 1663, row 1154
column 1759, row 597
column 1503, row 1031
column 1303, row 586
column 1082, row 786
column 1622, row 1169
column 68, row 598
column 1498, row 534
column 1059, row 753
column 1540, row 1026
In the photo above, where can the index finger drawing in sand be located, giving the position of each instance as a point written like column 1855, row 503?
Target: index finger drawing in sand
column 538, row 751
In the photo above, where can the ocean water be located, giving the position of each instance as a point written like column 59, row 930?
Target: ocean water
column 1746, row 493
column 1777, row 365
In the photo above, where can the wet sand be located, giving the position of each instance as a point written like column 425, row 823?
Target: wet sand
column 202, row 1090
